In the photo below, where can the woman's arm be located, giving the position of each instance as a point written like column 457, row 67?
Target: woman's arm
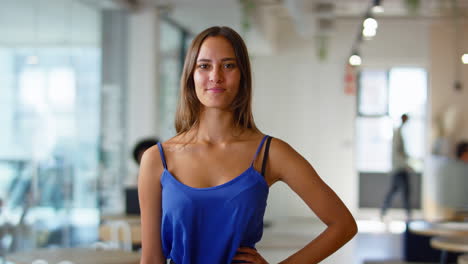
column 287, row 165
column 149, row 192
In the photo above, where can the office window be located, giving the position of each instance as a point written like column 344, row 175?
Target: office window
column 408, row 94
column 374, row 144
column 373, row 94
column 383, row 96
column 49, row 116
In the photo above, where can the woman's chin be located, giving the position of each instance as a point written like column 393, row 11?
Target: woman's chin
column 218, row 107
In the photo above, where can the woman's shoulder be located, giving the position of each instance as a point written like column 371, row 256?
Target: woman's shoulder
column 151, row 154
column 151, row 164
column 281, row 149
column 282, row 158
column 280, row 144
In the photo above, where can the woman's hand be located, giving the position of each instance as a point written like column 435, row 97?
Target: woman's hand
column 249, row 255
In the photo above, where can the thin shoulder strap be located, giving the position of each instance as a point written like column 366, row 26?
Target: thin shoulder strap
column 265, row 155
column 258, row 149
column 163, row 158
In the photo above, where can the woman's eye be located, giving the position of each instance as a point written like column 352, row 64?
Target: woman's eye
column 230, row 65
column 203, row 66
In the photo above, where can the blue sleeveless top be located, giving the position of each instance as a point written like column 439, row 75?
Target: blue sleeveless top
column 208, row 225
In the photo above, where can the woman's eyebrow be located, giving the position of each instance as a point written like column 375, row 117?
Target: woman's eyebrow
column 208, row 60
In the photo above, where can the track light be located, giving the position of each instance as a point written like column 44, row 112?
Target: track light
column 370, row 26
column 370, row 22
column 377, row 7
column 464, row 58
column 355, row 59
column 368, row 32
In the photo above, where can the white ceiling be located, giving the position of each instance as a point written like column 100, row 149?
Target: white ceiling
column 197, row 17
column 198, row 14
column 65, row 20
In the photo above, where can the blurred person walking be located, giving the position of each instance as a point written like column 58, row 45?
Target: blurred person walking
column 400, row 173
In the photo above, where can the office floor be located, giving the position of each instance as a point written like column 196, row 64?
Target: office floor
column 376, row 243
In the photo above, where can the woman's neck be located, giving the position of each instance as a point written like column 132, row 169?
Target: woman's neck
column 216, row 126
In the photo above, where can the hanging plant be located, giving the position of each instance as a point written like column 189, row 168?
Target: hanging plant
column 321, row 42
column 247, row 6
column 413, row 6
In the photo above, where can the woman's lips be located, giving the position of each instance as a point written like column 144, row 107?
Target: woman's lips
column 216, row 90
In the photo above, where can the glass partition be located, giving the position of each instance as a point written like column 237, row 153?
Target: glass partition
column 49, row 116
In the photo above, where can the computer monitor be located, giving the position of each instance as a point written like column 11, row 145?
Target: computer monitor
column 132, row 204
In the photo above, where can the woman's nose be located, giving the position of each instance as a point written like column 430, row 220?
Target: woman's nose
column 216, row 75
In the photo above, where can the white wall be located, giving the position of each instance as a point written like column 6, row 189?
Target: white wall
column 444, row 59
column 399, row 42
column 301, row 100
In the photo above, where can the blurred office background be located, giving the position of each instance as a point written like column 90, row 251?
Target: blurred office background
column 82, row 81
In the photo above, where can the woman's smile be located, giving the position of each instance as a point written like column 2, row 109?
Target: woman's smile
column 215, row 90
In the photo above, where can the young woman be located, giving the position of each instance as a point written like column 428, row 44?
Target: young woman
column 203, row 192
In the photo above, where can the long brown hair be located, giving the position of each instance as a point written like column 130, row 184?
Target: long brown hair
column 188, row 108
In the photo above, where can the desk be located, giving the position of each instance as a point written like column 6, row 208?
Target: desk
column 447, row 229
column 456, row 244
column 445, row 244
column 450, row 236
column 132, row 220
column 76, row 255
column 121, row 217
column 135, row 230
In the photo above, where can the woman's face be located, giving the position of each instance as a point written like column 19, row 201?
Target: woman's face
column 216, row 74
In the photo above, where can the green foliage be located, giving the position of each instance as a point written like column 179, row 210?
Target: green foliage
column 413, row 6
column 247, row 6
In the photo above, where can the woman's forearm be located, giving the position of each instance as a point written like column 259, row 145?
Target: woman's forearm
column 329, row 241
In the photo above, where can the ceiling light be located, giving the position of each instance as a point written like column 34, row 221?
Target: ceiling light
column 369, row 33
column 370, row 23
column 464, row 58
column 355, row 60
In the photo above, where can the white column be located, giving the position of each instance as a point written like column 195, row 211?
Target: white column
column 142, row 96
